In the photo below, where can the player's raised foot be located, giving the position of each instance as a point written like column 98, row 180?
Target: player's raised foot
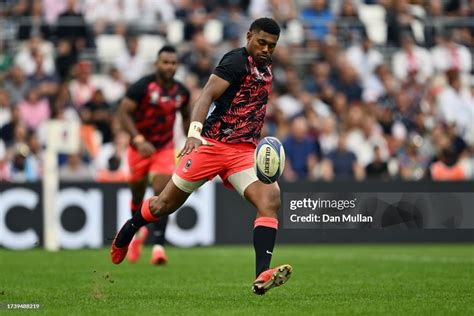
column 270, row 278
column 135, row 248
column 118, row 254
column 158, row 255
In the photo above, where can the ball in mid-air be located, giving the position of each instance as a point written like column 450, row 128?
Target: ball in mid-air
column 269, row 160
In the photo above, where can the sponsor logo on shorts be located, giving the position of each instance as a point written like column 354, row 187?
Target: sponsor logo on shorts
column 187, row 165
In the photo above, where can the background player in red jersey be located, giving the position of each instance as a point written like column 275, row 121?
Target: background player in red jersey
column 239, row 89
column 148, row 113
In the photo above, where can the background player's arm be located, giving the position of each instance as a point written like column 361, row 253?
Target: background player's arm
column 128, row 106
column 213, row 89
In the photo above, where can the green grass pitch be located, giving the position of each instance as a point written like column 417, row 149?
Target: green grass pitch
column 326, row 280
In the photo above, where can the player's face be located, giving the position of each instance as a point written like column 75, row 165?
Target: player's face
column 166, row 65
column 261, row 45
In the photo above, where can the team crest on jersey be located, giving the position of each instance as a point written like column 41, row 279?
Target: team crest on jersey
column 154, row 96
column 187, row 165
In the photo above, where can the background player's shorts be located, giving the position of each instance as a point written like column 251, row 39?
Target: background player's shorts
column 232, row 162
column 161, row 162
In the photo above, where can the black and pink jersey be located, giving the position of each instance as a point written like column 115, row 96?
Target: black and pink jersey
column 156, row 111
column 239, row 112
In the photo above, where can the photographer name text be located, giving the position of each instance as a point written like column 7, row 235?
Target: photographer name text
column 325, row 218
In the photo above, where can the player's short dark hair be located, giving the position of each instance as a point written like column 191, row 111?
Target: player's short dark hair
column 268, row 25
column 167, row 49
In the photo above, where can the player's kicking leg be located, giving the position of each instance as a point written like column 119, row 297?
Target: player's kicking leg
column 158, row 255
column 170, row 199
column 266, row 198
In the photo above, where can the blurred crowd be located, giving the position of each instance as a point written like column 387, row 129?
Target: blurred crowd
column 374, row 89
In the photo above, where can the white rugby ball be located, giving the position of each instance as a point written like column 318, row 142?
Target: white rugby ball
column 269, row 160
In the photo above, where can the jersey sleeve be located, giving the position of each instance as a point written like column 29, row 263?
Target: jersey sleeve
column 232, row 67
column 137, row 91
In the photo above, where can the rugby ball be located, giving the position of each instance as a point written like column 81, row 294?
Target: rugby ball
column 269, row 160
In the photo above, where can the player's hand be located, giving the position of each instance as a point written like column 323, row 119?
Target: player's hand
column 146, row 149
column 191, row 144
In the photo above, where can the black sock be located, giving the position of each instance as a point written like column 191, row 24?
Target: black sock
column 138, row 220
column 263, row 242
column 135, row 207
column 126, row 233
column 160, row 228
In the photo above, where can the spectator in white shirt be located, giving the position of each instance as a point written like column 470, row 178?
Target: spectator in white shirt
column 362, row 141
column 131, row 65
column 375, row 86
column 412, row 60
column 328, row 135
column 82, row 88
column 456, row 105
column 26, row 58
column 290, row 103
column 449, row 55
column 364, row 58
column 113, row 87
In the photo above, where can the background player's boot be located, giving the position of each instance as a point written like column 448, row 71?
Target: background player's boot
column 135, row 248
column 158, row 255
column 270, row 278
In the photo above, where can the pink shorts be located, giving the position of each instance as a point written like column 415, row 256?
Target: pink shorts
column 222, row 159
column 161, row 162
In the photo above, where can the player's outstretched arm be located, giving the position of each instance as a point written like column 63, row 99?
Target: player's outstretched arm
column 213, row 89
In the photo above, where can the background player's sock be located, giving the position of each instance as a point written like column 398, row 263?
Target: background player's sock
column 139, row 219
column 264, row 235
column 160, row 228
